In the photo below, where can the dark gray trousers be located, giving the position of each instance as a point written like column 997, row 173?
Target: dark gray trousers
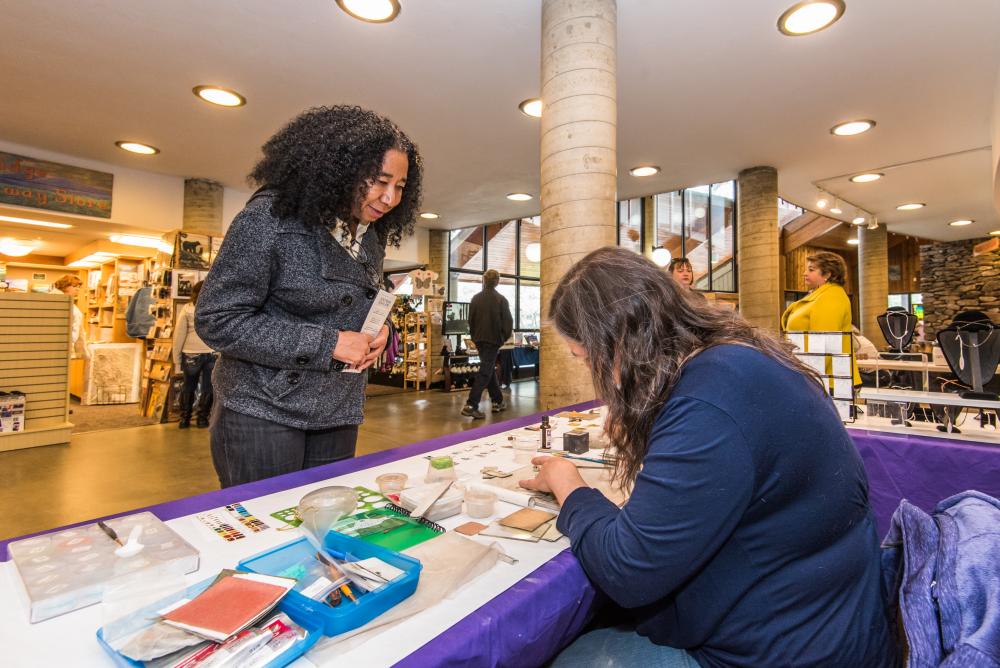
column 486, row 377
column 245, row 448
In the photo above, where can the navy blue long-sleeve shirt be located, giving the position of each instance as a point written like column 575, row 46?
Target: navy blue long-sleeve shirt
column 748, row 539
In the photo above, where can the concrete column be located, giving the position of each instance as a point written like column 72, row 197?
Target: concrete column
column 438, row 255
column 873, row 279
column 578, row 165
column 203, row 207
column 758, row 247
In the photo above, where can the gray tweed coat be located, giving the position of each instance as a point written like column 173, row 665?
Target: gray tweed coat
column 273, row 304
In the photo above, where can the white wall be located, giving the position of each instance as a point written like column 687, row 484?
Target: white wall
column 232, row 203
column 156, row 202
column 139, row 199
column 412, row 250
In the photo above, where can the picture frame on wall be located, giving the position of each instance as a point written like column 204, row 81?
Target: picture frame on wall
column 194, row 251
column 182, row 283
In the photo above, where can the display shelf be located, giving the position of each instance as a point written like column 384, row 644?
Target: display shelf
column 459, row 370
column 109, row 288
column 34, row 360
column 416, row 350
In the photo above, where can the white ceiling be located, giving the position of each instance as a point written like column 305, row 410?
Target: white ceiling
column 706, row 88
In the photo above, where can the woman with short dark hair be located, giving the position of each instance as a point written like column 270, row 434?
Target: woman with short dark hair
column 748, row 539
column 297, row 273
column 680, row 270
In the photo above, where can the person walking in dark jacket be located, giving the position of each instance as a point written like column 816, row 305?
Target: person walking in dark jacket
column 289, row 292
column 490, row 324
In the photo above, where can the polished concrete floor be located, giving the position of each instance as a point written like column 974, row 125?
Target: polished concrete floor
column 104, row 472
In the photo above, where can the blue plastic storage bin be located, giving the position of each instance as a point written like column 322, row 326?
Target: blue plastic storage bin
column 347, row 615
column 311, row 625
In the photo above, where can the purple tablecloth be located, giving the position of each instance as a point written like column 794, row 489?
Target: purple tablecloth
column 923, row 470
column 528, row 623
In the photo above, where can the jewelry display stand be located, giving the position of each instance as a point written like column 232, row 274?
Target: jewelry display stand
column 972, row 350
column 898, row 328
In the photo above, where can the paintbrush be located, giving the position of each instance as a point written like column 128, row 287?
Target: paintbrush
column 604, row 462
column 111, row 533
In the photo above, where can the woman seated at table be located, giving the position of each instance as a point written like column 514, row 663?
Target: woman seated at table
column 748, row 539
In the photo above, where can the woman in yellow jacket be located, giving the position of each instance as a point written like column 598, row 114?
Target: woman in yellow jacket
column 827, row 307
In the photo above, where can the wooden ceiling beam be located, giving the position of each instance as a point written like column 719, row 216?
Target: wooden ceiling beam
column 807, row 231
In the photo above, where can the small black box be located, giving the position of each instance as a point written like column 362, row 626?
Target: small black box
column 576, row 441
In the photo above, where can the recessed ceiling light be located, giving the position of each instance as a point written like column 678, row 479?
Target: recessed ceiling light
column 531, row 107
column 136, row 147
column 851, row 128
column 961, row 223
column 372, row 11
column 836, row 210
column 912, row 206
column 867, row 178
column 809, row 16
column 428, row 215
column 860, row 220
column 38, row 223
column 519, row 197
column 644, row 170
column 853, row 242
column 217, row 95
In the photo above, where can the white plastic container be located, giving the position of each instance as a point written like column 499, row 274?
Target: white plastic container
column 479, row 503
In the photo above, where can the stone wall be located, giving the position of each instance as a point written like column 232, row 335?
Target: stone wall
column 952, row 280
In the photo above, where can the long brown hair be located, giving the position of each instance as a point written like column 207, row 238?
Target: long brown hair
column 639, row 327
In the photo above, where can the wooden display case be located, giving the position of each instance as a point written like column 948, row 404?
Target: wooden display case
column 109, row 288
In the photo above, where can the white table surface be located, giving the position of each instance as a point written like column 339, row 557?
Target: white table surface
column 69, row 640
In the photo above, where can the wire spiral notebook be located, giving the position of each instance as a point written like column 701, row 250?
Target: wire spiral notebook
column 381, row 522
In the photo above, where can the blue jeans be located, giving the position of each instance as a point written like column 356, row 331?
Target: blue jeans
column 245, row 448
column 620, row 646
column 197, row 370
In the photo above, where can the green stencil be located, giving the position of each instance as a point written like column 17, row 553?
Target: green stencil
column 288, row 516
column 374, row 522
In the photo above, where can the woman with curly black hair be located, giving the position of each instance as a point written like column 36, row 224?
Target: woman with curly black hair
column 293, row 282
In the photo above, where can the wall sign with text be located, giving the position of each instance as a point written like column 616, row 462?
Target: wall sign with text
column 52, row 186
